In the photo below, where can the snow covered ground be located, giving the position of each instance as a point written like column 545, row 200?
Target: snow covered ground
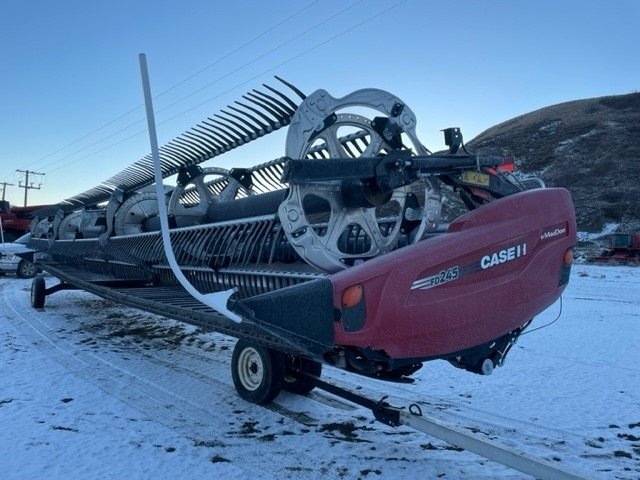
column 91, row 390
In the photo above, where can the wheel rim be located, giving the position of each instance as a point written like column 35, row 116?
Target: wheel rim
column 250, row 369
column 28, row 269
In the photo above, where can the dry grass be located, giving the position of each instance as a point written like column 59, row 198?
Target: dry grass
column 591, row 147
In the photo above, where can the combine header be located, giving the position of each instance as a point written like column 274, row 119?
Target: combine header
column 335, row 253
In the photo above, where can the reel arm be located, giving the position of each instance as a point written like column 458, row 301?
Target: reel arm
column 368, row 181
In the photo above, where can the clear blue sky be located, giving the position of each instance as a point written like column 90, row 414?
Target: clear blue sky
column 71, row 67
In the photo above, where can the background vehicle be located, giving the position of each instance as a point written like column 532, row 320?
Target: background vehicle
column 10, row 262
column 623, row 248
column 16, row 221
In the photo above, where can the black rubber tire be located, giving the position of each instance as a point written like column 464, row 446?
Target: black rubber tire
column 26, row 269
column 257, row 372
column 38, row 292
column 296, row 383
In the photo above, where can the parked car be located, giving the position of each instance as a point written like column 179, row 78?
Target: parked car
column 10, row 262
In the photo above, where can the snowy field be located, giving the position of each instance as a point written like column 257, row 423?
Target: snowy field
column 91, row 390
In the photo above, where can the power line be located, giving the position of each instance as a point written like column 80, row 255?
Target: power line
column 295, row 57
column 237, row 49
column 246, row 64
column 181, row 82
column 28, row 186
column 286, row 42
column 4, row 188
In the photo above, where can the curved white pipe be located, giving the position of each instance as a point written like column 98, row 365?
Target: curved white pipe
column 217, row 300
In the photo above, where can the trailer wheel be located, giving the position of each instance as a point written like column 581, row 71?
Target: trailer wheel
column 26, row 269
column 38, row 294
column 258, row 372
column 294, row 379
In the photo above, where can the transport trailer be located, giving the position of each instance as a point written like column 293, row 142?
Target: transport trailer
column 335, row 253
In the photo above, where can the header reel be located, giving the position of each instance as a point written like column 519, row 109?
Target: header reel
column 356, row 183
column 336, row 223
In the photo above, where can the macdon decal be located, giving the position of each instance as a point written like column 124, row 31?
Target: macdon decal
column 503, row 256
column 553, row 233
column 440, row 278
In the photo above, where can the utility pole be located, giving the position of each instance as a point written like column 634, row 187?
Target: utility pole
column 4, row 188
column 28, row 186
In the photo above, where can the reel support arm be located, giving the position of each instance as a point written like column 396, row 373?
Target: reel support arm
column 369, row 181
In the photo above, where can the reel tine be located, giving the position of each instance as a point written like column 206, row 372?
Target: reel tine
column 224, row 126
column 291, row 103
column 246, row 132
column 317, row 148
column 259, row 113
column 147, row 161
column 175, row 155
column 270, row 179
column 210, row 137
column 276, row 173
column 292, row 87
column 167, row 164
column 319, row 154
column 139, row 169
column 226, row 144
column 263, row 126
column 258, row 101
column 254, row 129
column 187, row 155
column 136, row 174
column 357, row 145
column 345, row 145
column 178, row 155
column 170, row 166
column 275, row 103
column 193, row 147
column 187, row 150
column 131, row 174
column 261, row 239
column 214, row 148
column 189, row 196
column 245, row 251
column 194, row 143
column 231, row 138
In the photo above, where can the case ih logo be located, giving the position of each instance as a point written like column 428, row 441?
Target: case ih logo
column 503, row 256
column 454, row 273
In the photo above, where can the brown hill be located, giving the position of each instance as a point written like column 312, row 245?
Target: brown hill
column 591, row 147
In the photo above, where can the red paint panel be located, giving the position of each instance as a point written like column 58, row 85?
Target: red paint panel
column 495, row 269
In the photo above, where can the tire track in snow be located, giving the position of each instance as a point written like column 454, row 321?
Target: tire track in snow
column 141, row 390
column 195, row 377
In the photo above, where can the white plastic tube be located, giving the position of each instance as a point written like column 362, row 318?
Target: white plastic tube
column 217, row 300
